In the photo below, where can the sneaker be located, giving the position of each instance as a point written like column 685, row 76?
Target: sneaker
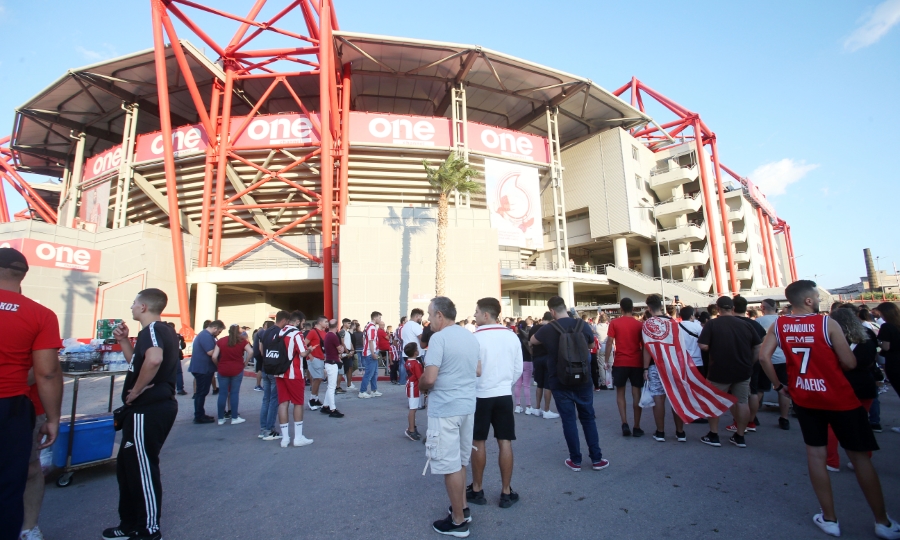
column 285, row 441
column 895, row 429
column 573, row 466
column 598, row 388
column 680, row 436
column 550, row 415
column 711, row 439
column 411, row 435
column 227, row 415
column 154, row 536
column 263, row 433
column 888, row 532
column 659, row 436
column 733, row 428
column 257, row 388
column 637, row 432
column 351, row 387
column 529, row 410
column 32, row 534
column 518, row 409
column 876, row 428
column 475, row 497
column 271, row 436
column 238, row 420
column 828, row 527
column 301, row 441
column 364, row 395
column 751, row 427
column 626, row 430
column 737, row 440
column 507, row 500
column 181, row 393
column 215, row 391
column 204, row 420
column 600, row 465
column 376, row 393
column 336, row 414
column 467, row 514
column 221, row 421
column 325, row 410
column 312, row 405
column 850, row 466
column 339, row 390
column 447, row 527
column 784, row 423
column 829, row 468
column 115, row 532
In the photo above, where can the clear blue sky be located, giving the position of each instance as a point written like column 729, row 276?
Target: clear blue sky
column 802, row 95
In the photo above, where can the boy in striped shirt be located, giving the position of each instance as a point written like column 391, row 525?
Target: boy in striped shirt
column 416, row 399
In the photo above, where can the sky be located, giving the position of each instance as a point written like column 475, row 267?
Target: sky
column 793, row 90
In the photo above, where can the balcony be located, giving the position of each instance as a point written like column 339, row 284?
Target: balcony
column 667, row 179
column 678, row 206
column 744, row 275
column 678, row 259
column 738, row 237
column 683, row 233
column 702, row 284
column 736, row 215
column 741, row 256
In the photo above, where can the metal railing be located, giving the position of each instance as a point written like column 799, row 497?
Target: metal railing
column 668, row 282
column 674, row 199
column 264, row 264
column 658, row 171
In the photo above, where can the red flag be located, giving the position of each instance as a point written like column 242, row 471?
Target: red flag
column 691, row 395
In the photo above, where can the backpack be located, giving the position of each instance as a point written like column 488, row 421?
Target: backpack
column 573, row 363
column 276, row 361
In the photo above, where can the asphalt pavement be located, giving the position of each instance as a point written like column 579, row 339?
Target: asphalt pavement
column 362, row 478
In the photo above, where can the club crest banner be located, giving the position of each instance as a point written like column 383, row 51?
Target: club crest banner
column 514, row 201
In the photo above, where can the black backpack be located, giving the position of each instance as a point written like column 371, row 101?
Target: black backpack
column 573, row 360
column 276, row 360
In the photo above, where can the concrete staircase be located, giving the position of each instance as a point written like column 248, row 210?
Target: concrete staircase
column 645, row 284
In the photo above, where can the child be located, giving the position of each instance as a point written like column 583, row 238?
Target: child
column 414, row 371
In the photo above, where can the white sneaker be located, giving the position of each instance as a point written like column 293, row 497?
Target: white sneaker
column 302, row 441
column 550, row 415
column 32, row 534
column 881, row 531
column 364, row 395
column 828, row 527
column 518, row 409
column 375, row 393
column 850, row 466
column 285, row 441
column 529, row 410
column 351, row 387
column 895, row 429
column 221, row 421
column 237, row 420
column 829, row 468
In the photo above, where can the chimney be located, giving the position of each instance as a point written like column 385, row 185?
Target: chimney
column 870, row 270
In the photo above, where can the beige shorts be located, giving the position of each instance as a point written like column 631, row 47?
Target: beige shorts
column 448, row 443
column 740, row 390
column 37, row 437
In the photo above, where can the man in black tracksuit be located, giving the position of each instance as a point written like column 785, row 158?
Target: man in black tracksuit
column 149, row 394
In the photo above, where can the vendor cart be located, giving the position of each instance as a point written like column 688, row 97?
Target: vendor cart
column 66, row 478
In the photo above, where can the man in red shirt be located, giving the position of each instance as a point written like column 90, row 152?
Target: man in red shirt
column 817, row 356
column 316, row 361
column 625, row 335
column 290, row 383
column 333, row 350
column 30, row 340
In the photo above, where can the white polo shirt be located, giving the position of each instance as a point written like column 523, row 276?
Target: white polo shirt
column 410, row 334
column 501, row 360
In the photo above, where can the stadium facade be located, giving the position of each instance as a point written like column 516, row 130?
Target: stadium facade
column 585, row 195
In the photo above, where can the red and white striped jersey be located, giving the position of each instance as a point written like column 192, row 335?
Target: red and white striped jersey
column 414, row 372
column 815, row 377
column 370, row 335
column 293, row 342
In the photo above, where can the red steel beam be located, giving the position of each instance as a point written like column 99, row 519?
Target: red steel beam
column 726, row 223
column 345, row 144
column 4, row 208
column 765, row 246
column 771, row 238
column 223, row 147
column 326, row 167
column 711, row 224
column 162, row 85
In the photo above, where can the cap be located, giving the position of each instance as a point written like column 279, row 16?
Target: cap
column 13, row 259
column 725, row 302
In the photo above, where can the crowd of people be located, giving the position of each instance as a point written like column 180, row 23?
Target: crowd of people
column 472, row 376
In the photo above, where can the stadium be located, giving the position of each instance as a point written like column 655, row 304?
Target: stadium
column 243, row 179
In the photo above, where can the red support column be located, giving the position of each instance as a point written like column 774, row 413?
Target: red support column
column 327, row 161
column 771, row 237
column 4, row 209
column 790, row 247
column 165, row 120
column 711, row 225
column 345, row 144
column 765, row 246
column 726, row 224
column 222, row 149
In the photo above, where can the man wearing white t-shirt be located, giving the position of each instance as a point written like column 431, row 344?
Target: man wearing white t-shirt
column 412, row 330
column 770, row 315
column 692, row 329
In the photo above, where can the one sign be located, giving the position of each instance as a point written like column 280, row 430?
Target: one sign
column 103, row 163
column 274, row 130
column 393, row 129
column 95, row 204
column 485, row 139
column 514, row 201
column 50, row 255
column 186, row 141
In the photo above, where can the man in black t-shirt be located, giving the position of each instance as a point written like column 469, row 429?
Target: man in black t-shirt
column 539, row 372
column 733, row 347
column 149, row 397
column 759, row 383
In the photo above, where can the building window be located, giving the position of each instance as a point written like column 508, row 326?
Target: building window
column 634, row 152
column 759, row 248
column 638, row 182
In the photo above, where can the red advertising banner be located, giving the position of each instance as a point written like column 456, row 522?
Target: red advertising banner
column 50, row 255
column 274, row 130
column 377, row 128
column 186, row 141
column 103, row 163
column 485, row 139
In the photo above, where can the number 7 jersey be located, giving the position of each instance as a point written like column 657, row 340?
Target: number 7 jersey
column 815, row 377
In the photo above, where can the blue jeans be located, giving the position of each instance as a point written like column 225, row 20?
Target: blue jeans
column 229, row 387
column 269, row 403
column 875, row 412
column 568, row 402
column 403, row 374
column 179, row 379
column 204, row 381
column 370, row 364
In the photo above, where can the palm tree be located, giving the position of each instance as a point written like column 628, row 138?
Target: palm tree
column 454, row 174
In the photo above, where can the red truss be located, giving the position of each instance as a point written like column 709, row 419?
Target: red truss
column 659, row 136
column 36, row 204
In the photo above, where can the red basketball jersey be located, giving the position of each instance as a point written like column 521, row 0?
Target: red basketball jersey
column 815, row 377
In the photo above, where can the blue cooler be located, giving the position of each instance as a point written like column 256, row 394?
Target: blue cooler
column 94, row 440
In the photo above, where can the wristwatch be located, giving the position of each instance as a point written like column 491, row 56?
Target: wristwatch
column 779, row 388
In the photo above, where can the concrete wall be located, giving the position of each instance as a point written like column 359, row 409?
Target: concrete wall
column 388, row 260
column 134, row 257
